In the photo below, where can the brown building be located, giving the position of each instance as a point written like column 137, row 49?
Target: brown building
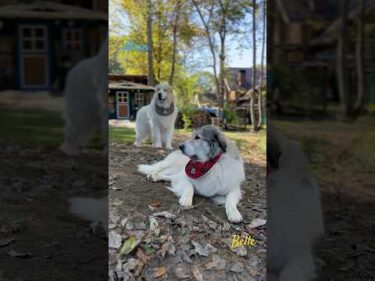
column 303, row 44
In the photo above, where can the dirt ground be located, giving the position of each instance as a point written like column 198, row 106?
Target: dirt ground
column 342, row 158
column 152, row 238
column 39, row 238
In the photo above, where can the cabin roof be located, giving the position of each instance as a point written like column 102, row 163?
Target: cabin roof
column 49, row 10
column 129, row 85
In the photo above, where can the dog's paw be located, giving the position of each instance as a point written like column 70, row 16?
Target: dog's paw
column 157, row 145
column 153, row 177
column 169, row 147
column 234, row 216
column 186, row 201
column 137, row 144
column 70, row 150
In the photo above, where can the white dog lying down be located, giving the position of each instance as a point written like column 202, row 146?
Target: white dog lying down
column 294, row 212
column 157, row 119
column 85, row 99
column 208, row 164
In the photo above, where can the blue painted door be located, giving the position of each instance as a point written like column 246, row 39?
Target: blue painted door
column 33, row 59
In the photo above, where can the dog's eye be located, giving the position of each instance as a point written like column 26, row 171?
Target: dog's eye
column 197, row 137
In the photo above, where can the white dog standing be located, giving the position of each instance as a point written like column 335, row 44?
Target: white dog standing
column 157, row 119
column 294, row 213
column 208, row 164
column 86, row 101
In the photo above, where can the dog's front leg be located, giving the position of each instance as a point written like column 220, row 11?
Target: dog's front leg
column 156, row 136
column 186, row 199
column 167, row 139
column 231, row 202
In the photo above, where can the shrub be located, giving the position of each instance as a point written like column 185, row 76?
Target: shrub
column 230, row 115
column 186, row 112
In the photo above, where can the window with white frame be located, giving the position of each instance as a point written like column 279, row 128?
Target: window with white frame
column 122, row 97
column 139, row 99
column 33, row 38
column 72, row 39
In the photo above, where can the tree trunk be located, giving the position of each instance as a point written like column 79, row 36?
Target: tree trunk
column 158, row 56
column 212, row 49
column 151, row 79
column 341, row 62
column 359, row 58
column 222, row 72
column 174, row 51
column 254, row 126
column 260, row 100
column 222, row 35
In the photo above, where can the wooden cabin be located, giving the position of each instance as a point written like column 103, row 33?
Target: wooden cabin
column 42, row 40
column 126, row 97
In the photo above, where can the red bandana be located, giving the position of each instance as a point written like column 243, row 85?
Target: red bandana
column 196, row 170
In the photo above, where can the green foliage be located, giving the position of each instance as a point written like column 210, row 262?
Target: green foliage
column 135, row 61
column 185, row 88
column 186, row 112
column 230, row 115
column 114, row 55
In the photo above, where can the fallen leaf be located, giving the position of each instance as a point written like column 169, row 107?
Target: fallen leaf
column 6, row 242
column 114, row 240
column 257, row 223
column 131, row 265
column 209, row 222
column 202, row 251
column 167, row 247
column 180, row 272
column 226, row 226
column 159, row 272
column 149, row 250
column 186, row 257
column 154, row 226
column 155, row 204
column 164, row 214
column 210, row 248
column 16, row 254
column 142, row 256
column 241, row 251
column 117, row 202
column 114, row 218
column 237, row 267
column 129, row 245
column 196, row 273
column 216, row 263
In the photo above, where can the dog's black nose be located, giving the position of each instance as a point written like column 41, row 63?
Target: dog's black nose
column 159, row 96
column 181, row 147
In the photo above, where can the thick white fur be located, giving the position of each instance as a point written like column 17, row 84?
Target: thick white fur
column 222, row 183
column 294, row 214
column 85, row 99
column 151, row 124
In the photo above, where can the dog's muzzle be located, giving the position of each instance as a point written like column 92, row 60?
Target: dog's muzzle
column 160, row 97
column 182, row 148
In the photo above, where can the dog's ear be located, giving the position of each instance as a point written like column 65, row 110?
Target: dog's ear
column 221, row 141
